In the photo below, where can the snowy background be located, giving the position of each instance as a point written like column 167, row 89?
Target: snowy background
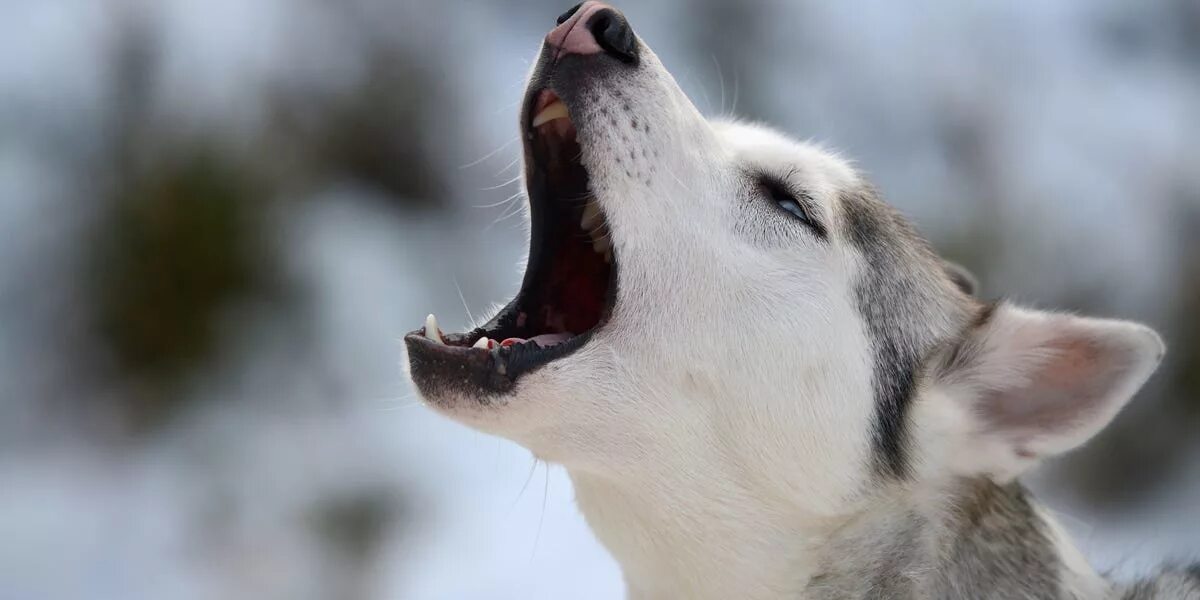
column 219, row 217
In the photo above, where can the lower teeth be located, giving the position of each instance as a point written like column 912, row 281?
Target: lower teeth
column 544, row 340
column 550, row 339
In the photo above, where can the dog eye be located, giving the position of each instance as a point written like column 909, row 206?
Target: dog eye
column 789, row 203
column 785, row 200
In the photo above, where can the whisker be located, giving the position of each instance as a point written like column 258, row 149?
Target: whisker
column 509, row 106
column 510, row 165
column 400, row 407
column 490, row 154
column 703, row 90
column 679, row 181
column 504, row 201
column 464, row 301
column 733, row 111
column 528, row 478
column 541, row 519
column 721, row 78
column 508, row 214
column 496, row 187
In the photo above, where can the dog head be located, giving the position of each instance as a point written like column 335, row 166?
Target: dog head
column 715, row 304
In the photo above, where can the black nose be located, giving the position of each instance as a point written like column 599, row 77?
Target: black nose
column 613, row 33
column 570, row 13
column 592, row 28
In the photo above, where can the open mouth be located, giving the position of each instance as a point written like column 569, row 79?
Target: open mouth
column 570, row 279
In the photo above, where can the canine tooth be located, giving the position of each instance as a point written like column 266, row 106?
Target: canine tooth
column 601, row 242
column 431, row 329
column 556, row 110
column 591, row 216
column 481, row 343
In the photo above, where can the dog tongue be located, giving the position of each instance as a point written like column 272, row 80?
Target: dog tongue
column 546, row 339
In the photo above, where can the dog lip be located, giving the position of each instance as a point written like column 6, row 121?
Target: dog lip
column 545, row 98
column 475, row 371
column 457, row 367
column 437, row 367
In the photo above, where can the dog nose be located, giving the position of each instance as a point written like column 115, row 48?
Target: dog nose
column 592, row 28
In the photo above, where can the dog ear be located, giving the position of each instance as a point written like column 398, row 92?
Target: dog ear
column 962, row 278
column 1022, row 384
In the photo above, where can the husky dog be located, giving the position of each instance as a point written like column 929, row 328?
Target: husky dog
column 762, row 381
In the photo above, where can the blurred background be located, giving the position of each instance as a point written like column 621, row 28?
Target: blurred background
column 219, row 217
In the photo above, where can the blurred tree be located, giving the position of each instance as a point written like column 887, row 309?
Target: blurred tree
column 182, row 241
column 376, row 133
column 353, row 526
column 1155, row 436
column 180, row 238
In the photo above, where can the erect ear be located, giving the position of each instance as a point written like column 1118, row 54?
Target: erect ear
column 962, row 278
column 1024, row 384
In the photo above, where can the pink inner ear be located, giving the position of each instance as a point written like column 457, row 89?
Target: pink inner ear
column 1071, row 386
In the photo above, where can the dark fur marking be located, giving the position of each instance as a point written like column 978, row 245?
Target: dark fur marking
column 962, row 352
column 908, row 304
column 895, row 363
column 963, row 278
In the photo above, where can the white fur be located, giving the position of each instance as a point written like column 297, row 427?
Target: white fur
column 1020, row 353
column 718, row 428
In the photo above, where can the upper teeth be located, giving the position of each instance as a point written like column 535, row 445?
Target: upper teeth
column 431, row 329
column 591, row 216
column 592, row 221
column 552, row 111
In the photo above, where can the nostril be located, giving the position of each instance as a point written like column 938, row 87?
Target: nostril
column 613, row 34
column 567, row 15
column 598, row 25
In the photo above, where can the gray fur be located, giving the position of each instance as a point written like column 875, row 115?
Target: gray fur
column 964, row 279
column 986, row 542
column 999, row 543
column 732, row 490
column 1172, row 583
column 909, row 305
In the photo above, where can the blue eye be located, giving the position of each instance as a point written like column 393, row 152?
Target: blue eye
column 789, row 203
column 791, row 206
column 785, row 200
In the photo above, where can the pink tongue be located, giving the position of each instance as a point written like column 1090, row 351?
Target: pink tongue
column 546, row 339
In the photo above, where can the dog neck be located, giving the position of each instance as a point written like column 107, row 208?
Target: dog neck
column 967, row 540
